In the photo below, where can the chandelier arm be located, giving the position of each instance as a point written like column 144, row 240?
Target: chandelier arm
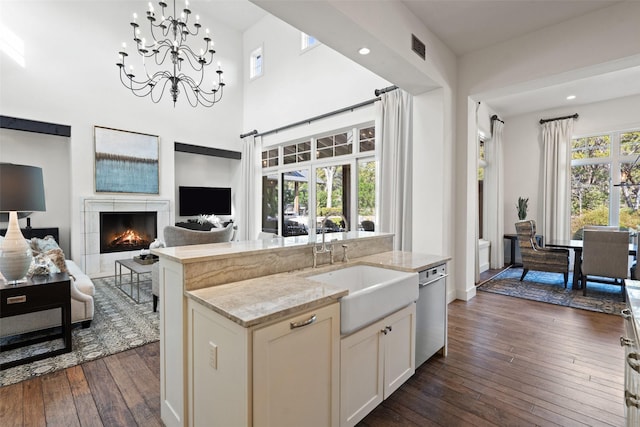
column 164, row 87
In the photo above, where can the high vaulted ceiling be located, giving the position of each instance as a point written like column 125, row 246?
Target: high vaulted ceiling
column 469, row 25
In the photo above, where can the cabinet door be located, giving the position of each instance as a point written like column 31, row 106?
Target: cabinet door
column 399, row 348
column 361, row 373
column 296, row 370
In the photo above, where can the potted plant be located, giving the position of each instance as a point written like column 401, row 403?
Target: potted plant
column 522, row 208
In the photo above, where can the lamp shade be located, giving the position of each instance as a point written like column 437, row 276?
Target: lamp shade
column 21, row 188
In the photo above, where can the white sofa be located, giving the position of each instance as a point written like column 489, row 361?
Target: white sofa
column 82, row 292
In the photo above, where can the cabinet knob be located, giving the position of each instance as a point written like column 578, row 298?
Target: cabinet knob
column 626, row 313
column 386, row 330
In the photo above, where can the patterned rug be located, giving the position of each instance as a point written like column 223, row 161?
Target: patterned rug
column 549, row 287
column 118, row 324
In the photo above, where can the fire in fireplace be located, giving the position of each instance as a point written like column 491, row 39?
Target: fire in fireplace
column 127, row 231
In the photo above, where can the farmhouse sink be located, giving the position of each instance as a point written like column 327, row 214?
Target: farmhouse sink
column 374, row 292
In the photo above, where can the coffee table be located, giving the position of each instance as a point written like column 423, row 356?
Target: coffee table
column 133, row 267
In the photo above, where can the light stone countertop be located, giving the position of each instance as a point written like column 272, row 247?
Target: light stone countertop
column 264, row 299
column 207, row 252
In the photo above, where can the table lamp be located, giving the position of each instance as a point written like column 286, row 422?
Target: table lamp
column 21, row 190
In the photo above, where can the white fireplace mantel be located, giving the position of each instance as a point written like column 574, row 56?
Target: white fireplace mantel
column 96, row 264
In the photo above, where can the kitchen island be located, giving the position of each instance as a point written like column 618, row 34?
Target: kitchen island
column 239, row 319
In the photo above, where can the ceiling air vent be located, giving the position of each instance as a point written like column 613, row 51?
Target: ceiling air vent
column 418, row 47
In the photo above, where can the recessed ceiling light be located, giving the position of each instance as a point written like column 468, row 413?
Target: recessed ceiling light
column 570, row 97
column 364, row 51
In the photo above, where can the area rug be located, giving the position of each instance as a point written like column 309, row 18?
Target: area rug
column 549, row 288
column 118, row 324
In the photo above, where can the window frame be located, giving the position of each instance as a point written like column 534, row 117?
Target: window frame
column 614, row 161
column 258, row 52
column 314, row 163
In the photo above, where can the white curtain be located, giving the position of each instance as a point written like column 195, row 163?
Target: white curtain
column 251, row 184
column 556, row 208
column 494, row 194
column 395, row 121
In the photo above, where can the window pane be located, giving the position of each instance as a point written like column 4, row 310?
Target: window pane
column 590, row 147
column 368, row 139
column 629, row 201
column 295, row 200
column 333, row 184
column 589, row 197
column 367, row 195
column 630, row 143
column 269, row 204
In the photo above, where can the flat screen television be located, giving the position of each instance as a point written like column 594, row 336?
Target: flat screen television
column 204, row 201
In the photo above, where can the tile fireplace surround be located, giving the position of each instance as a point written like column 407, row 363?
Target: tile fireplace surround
column 96, row 264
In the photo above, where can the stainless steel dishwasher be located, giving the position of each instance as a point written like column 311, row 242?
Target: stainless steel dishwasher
column 431, row 313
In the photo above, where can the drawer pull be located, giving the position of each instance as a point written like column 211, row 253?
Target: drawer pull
column 633, row 360
column 17, row 300
column 309, row 321
column 631, row 399
column 626, row 342
column 626, row 313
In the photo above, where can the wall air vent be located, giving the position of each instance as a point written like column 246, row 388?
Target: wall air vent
column 418, row 47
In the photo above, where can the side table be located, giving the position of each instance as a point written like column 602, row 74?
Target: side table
column 37, row 294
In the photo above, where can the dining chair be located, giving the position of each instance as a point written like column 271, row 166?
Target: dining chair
column 535, row 257
column 605, row 254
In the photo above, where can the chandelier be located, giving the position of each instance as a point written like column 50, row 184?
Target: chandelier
column 168, row 43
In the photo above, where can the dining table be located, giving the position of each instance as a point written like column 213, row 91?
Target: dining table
column 576, row 245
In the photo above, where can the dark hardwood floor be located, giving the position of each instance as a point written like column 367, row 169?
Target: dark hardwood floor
column 511, row 362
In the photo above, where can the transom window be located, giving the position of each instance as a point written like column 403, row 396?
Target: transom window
column 605, row 180
column 307, row 42
column 256, row 66
column 295, row 153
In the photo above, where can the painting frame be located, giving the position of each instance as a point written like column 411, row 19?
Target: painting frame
column 125, row 161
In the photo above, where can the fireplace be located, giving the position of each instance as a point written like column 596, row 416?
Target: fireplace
column 127, row 231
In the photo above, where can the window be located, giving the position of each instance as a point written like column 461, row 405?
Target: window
column 256, row 66
column 313, row 179
column 605, row 181
column 482, row 164
column 296, row 153
column 307, row 42
column 270, row 158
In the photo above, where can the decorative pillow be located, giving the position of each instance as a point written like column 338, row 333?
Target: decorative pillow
column 43, row 245
column 56, row 256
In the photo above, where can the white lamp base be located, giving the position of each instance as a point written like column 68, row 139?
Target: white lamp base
column 15, row 253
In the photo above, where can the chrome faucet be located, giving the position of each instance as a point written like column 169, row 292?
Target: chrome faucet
column 324, row 249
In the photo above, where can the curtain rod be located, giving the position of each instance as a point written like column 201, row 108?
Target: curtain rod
column 495, row 117
column 573, row 116
column 377, row 92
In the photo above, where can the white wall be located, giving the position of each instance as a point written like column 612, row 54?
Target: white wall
column 296, row 86
column 198, row 170
column 70, row 77
column 591, row 44
column 523, row 147
column 51, row 153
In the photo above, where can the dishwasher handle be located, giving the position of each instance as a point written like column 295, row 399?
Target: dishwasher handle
column 435, row 279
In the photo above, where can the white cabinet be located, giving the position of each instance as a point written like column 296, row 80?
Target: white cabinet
column 374, row 362
column 283, row 374
column 296, row 370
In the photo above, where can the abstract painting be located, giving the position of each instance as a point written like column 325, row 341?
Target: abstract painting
column 126, row 162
